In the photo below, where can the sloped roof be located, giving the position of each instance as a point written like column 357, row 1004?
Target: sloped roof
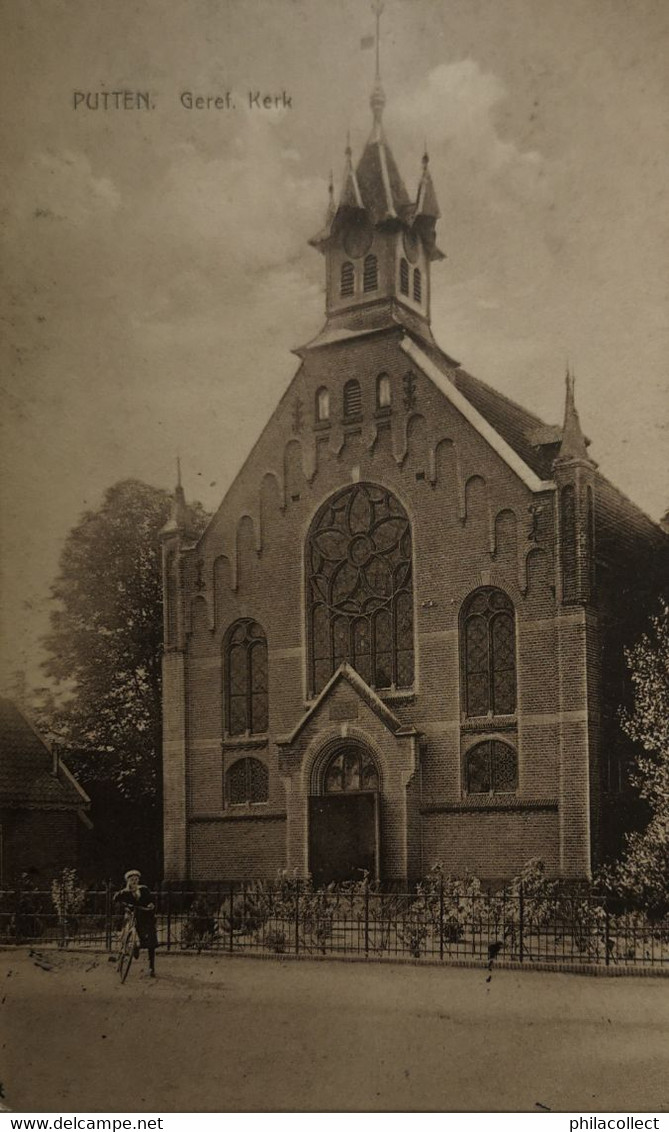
column 26, row 768
column 381, row 186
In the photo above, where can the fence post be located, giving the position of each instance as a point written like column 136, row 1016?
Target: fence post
column 108, row 914
column 17, row 912
column 297, row 916
column 63, row 913
column 521, row 919
column 231, row 907
column 607, row 932
column 441, row 918
column 168, row 902
column 366, row 918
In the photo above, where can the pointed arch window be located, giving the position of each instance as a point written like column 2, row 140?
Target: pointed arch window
column 370, row 273
column 488, row 642
column 491, row 768
column 245, row 679
column 247, row 781
column 347, row 279
column 383, row 391
column 352, row 399
column 360, row 589
column 417, row 285
column 404, row 276
column 322, row 404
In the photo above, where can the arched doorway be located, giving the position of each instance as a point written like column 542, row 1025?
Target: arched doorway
column 344, row 816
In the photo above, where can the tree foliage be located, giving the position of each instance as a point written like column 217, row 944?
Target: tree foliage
column 643, row 872
column 105, row 641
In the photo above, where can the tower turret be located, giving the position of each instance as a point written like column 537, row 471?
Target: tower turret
column 574, row 473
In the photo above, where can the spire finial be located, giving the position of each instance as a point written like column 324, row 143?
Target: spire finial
column 378, row 99
column 178, row 471
column 574, row 444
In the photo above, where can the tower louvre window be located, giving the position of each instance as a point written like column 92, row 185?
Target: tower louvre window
column 488, row 643
column 246, row 679
column 404, row 276
column 360, row 589
column 347, row 279
column 417, row 286
column 370, row 274
column 352, row 398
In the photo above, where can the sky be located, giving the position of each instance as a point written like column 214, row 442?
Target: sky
column 155, row 268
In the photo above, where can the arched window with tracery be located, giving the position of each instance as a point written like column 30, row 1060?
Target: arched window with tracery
column 247, row 780
column 351, row 769
column 360, row 589
column 370, row 273
column 347, row 279
column 491, row 768
column 488, row 642
column 245, row 679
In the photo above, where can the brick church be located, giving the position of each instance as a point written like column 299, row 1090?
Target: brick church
column 399, row 642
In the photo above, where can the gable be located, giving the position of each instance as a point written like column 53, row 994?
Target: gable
column 26, row 767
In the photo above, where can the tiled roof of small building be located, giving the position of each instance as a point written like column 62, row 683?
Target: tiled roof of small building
column 26, row 768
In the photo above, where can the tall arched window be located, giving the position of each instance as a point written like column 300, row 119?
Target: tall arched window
column 489, row 653
column 322, row 404
column 417, row 285
column 247, row 780
column 404, row 276
column 568, row 548
column 352, row 398
column 245, row 679
column 383, row 394
column 360, row 588
column 370, row 273
column 347, row 279
column 491, row 768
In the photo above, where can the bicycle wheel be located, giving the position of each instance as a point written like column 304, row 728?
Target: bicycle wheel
column 126, row 957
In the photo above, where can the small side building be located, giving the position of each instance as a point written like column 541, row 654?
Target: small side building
column 43, row 809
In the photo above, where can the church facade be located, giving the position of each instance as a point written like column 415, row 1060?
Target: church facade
column 399, row 642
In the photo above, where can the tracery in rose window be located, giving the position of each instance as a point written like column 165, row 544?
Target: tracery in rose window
column 360, row 588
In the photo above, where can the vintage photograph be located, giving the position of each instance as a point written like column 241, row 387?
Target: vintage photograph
column 334, row 682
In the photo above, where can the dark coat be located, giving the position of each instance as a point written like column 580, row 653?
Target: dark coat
column 145, row 917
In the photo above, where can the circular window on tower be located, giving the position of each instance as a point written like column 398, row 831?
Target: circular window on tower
column 411, row 246
column 358, row 237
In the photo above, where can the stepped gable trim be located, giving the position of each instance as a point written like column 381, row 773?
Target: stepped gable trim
column 476, row 419
column 363, row 690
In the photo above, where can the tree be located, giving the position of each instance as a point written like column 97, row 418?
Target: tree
column 643, row 872
column 105, row 648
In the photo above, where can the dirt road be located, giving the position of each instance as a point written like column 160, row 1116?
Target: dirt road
column 219, row 1034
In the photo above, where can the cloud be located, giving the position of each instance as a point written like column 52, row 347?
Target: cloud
column 61, row 187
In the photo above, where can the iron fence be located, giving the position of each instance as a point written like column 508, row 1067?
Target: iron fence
column 442, row 921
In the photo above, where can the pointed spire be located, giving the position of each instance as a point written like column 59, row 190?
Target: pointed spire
column 350, row 192
column 179, row 521
column 426, row 200
column 573, row 446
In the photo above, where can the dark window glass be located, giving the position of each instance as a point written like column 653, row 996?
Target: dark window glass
column 417, row 285
column 352, row 398
column 350, row 769
column 404, row 276
column 347, row 279
column 360, row 588
column 247, row 781
column 246, row 679
column 370, row 274
column 492, row 768
column 489, row 654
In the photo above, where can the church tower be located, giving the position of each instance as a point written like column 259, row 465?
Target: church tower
column 377, row 241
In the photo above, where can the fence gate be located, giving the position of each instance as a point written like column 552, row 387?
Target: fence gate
column 343, row 837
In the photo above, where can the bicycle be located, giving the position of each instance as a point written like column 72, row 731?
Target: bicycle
column 128, row 944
